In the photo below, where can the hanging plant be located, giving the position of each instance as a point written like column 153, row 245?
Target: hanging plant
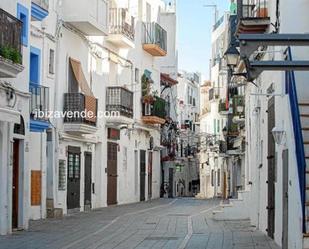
column 148, row 99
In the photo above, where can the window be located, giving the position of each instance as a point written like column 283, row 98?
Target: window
column 125, row 156
column 212, row 178
column 219, row 177
column 148, row 12
column 136, row 75
column 51, row 66
column 73, row 165
column 215, row 124
column 61, row 175
column 23, row 16
column 35, row 61
column 218, row 125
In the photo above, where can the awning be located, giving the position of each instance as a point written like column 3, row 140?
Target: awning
column 166, row 80
column 80, row 77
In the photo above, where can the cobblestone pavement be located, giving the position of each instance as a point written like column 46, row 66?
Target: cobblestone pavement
column 164, row 223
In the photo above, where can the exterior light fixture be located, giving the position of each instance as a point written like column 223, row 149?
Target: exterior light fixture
column 232, row 56
column 278, row 134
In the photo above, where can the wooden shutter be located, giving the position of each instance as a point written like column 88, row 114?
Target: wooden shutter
column 36, row 178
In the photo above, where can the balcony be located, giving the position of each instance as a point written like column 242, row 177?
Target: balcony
column 39, row 99
column 90, row 17
column 154, row 112
column 154, row 39
column 10, row 45
column 121, row 28
column 239, row 106
column 253, row 16
column 119, row 103
column 39, row 9
column 167, row 81
column 80, row 105
column 39, row 102
column 214, row 93
column 222, row 109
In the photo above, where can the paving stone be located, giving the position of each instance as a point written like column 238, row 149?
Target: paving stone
column 157, row 224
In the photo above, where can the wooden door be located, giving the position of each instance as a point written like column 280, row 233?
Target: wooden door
column 88, row 179
column 15, row 185
column 149, row 175
column 285, row 199
column 271, row 170
column 112, row 150
column 170, row 182
column 142, row 174
column 73, row 182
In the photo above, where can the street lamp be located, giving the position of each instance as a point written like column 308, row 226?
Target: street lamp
column 232, row 56
column 278, row 134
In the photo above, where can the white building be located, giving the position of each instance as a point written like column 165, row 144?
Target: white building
column 275, row 171
column 80, row 61
column 185, row 176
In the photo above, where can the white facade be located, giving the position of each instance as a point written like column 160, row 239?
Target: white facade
column 263, row 167
column 79, row 56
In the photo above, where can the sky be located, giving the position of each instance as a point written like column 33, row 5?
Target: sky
column 194, row 25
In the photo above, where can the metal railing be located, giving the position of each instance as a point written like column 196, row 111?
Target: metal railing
column 222, row 106
column 10, row 37
column 120, row 22
column 157, row 108
column 39, row 98
column 247, row 9
column 76, row 103
column 214, row 93
column 120, row 100
column 153, row 33
column 239, row 105
column 44, row 4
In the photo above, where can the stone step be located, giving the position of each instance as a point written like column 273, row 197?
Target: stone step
column 303, row 108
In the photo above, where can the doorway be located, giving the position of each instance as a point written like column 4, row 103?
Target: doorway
column 170, row 182
column 142, row 174
column 15, row 184
column 271, row 170
column 149, row 175
column 112, row 151
column 285, row 199
column 88, row 180
column 73, row 183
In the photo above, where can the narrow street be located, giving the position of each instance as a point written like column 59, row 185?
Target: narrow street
column 164, row 223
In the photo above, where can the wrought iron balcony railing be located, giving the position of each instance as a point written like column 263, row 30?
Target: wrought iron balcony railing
column 222, row 106
column 120, row 22
column 44, row 4
column 154, row 34
column 39, row 98
column 252, row 9
column 119, row 99
column 157, row 108
column 10, row 37
column 239, row 105
column 80, row 105
column 214, row 93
